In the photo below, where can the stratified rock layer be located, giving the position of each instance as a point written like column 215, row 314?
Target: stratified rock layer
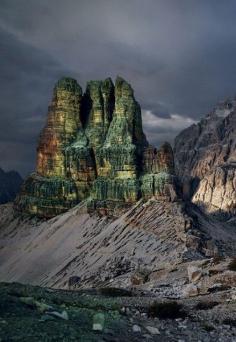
column 93, row 147
column 61, row 129
column 205, row 158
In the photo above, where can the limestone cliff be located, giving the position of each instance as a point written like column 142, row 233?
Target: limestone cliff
column 93, row 147
column 205, row 158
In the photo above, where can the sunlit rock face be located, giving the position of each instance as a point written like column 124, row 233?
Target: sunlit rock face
column 98, row 106
column 62, row 125
column 93, row 147
column 205, row 159
column 217, row 190
column 158, row 172
column 118, row 160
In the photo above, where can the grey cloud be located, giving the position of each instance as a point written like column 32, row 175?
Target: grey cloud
column 27, row 78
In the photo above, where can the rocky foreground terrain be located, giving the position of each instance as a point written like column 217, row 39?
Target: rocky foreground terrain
column 30, row 313
column 150, row 274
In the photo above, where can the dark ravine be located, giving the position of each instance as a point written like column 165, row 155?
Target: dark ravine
column 93, row 147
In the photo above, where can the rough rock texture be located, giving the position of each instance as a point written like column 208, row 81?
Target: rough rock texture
column 205, row 159
column 152, row 238
column 61, row 129
column 10, row 183
column 158, row 170
column 217, row 190
column 93, row 146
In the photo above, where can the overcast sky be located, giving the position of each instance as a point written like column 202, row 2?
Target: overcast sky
column 179, row 56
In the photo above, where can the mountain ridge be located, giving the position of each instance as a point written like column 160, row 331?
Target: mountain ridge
column 205, row 159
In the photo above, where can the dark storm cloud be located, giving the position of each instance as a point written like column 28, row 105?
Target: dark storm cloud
column 179, row 55
column 27, row 78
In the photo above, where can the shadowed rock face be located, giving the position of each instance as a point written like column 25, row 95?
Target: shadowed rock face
column 93, row 146
column 205, row 158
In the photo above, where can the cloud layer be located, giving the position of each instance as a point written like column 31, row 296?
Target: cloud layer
column 179, row 56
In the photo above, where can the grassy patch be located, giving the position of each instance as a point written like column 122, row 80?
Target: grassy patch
column 25, row 314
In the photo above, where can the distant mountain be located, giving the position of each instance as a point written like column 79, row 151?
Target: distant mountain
column 205, row 159
column 10, row 183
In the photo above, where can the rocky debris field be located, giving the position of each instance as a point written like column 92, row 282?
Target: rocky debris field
column 29, row 313
column 149, row 246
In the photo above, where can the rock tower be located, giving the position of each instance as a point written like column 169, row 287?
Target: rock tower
column 93, row 147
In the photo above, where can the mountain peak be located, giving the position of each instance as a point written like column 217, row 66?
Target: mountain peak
column 205, row 156
column 93, row 147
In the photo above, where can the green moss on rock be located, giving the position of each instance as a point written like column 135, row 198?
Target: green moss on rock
column 93, row 146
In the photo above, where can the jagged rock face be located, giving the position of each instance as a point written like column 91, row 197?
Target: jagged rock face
column 217, row 190
column 61, row 128
column 158, row 171
column 118, row 160
column 205, row 159
column 93, row 146
column 98, row 108
column 46, row 196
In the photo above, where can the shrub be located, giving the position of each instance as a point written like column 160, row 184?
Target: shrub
column 114, row 292
column 208, row 327
column 166, row 310
column 229, row 321
column 206, row 305
column 232, row 264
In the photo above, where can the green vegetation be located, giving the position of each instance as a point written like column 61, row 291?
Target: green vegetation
column 33, row 314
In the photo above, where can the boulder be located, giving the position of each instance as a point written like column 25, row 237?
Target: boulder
column 190, row 290
column 194, row 274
